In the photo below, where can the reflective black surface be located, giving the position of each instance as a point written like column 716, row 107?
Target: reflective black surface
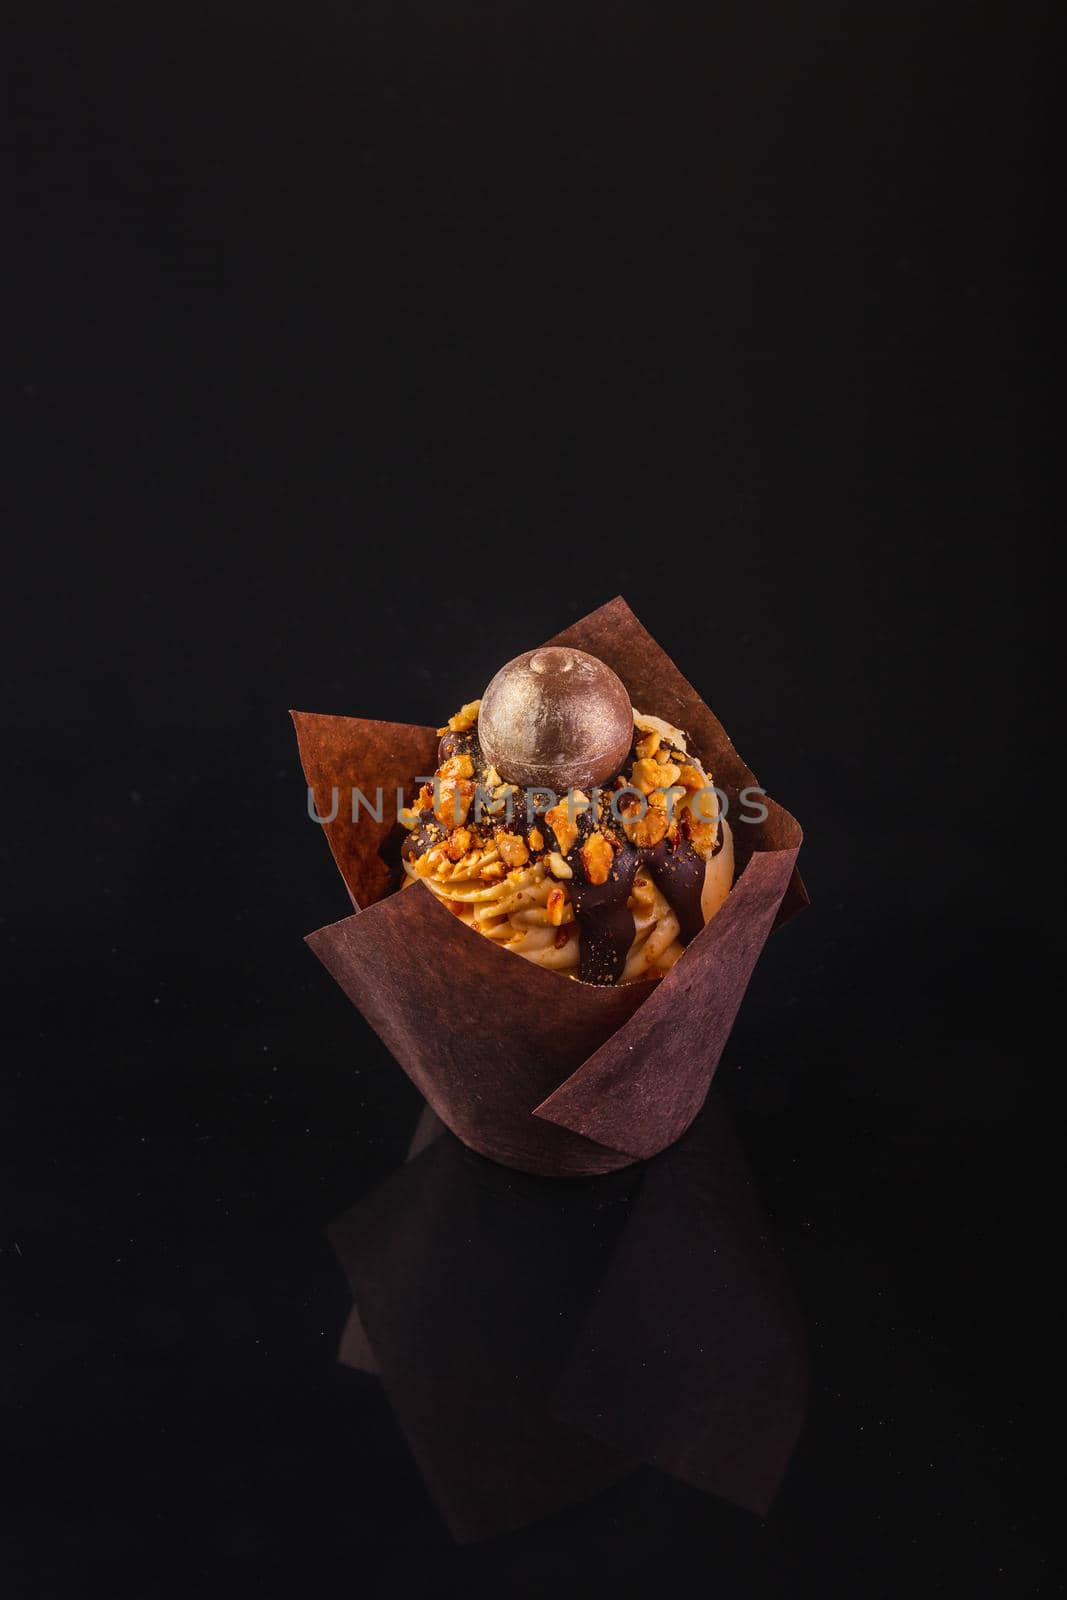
column 358, row 350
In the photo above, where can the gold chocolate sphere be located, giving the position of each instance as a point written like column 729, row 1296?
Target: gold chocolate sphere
column 556, row 717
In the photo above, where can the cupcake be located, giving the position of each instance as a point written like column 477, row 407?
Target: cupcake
column 627, row 856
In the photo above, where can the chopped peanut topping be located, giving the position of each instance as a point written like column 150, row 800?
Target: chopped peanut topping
column 494, row 870
column 651, row 828
column 458, row 844
column 597, row 857
column 647, row 747
column 557, row 904
column 458, row 767
column 557, row 866
column 536, row 839
column 562, row 826
column 703, row 836
column 690, row 778
column 644, row 776
column 464, row 718
column 672, row 735
column 647, row 830
column 456, row 795
column 512, row 849
column 705, row 807
column 498, row 804
column 667, row 799
column 649, row 775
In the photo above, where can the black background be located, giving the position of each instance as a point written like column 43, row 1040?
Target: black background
column 359, row 347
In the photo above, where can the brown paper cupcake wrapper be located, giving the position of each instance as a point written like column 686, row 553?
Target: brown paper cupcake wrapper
column 526, row 1066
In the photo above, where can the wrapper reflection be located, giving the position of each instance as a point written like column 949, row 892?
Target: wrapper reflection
column 539, row 1339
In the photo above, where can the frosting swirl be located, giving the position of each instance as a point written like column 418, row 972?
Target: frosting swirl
column 608, row 886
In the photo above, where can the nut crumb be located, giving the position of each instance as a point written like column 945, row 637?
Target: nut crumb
column 563, row 826
column 597, row 857
column 705, row 807
column 464, row 718
column 457, row 767
column 704, row 836
column 649, row 775
column 458, row 844
column 512, row 847
column 647, row 830
column 455, row 796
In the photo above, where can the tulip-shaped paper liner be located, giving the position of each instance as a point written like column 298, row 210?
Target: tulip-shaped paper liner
column 527, row 1066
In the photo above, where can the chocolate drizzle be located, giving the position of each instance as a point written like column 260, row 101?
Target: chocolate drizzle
column 604, row 918
column 424, row 835
column 679, row 875
column 601, row 910
column 463, row 744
